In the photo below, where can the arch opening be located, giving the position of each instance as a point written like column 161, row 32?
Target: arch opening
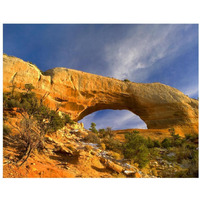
column 116, row 119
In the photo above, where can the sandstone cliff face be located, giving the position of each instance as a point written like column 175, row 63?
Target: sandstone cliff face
column 79, row 94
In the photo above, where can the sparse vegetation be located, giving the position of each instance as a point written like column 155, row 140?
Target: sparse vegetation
column 92, row 137
column 93, row 128
column 6, row 130
column 113, row 145
column 37, row 119
column 136, row 149
column 29, row 87
column 140, row 150
column 102, row 133
column 126, row 80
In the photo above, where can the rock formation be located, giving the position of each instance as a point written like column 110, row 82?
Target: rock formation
column 79, row 94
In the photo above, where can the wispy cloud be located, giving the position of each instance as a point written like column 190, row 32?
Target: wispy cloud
column 191, row 91
column 143, row 47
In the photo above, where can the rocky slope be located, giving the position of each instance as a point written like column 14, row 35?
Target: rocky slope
column 65, row 156
column 79, row 94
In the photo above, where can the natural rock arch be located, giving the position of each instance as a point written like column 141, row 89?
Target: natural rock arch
column 79, row 94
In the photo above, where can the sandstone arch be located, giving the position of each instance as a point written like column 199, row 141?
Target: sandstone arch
column 79, row 94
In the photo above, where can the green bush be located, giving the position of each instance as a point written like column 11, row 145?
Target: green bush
column 113, row 145
column 150, row 143
column 92, row 137
column 136, row 149
column 106, row 133
column 29, row 87
column 37, row 119
column 102, row 133
column 191, row 138
column 67, row 119
column 55, row 121
column 166, row 143
column 12, row 103
column 178, row 142
column 156, row 143
column 48, row 121
column 6, row 130
column 190, row 146
column 126, row 80
column 93, row 128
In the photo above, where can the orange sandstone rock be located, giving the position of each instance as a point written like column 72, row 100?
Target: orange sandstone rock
column 79, row 94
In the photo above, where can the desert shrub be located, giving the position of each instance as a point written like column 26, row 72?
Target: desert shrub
column 113, row 145
column 190, row 146
column 156, row 143
column 188, row 136
column 28, row 134
column 126, row 80
column 29, row 87
column 154, row 152
column 29, row 103
column 136, row 148
column 102, row 133
column 135, row 132
column 5, row 99
column 172, row 131
column 67, row 119
column 49, row 121
column 150, row 143
column 106, row 133
column 188, row 158
column 92, row 137
column 166, row 143
column 192, row 138
column 37, row 119
column 194, row 167
column 109, row 132
column 177, row 142
column 181, row 174
column 93, row 128
column 55, row 121
column 6, row 130
column 12, row 103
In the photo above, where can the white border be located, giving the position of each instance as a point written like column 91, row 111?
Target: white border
column 104, row 11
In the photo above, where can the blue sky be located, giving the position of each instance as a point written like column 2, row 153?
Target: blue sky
column 140, row 53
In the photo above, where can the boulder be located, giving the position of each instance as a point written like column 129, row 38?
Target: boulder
column 111, row 165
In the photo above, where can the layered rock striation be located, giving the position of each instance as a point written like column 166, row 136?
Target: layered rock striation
column 80, row 94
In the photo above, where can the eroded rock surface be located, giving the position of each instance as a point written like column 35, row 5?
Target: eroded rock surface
column 79, row 94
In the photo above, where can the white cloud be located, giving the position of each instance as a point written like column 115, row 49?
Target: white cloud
column 142, row 48
column 191, row 90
